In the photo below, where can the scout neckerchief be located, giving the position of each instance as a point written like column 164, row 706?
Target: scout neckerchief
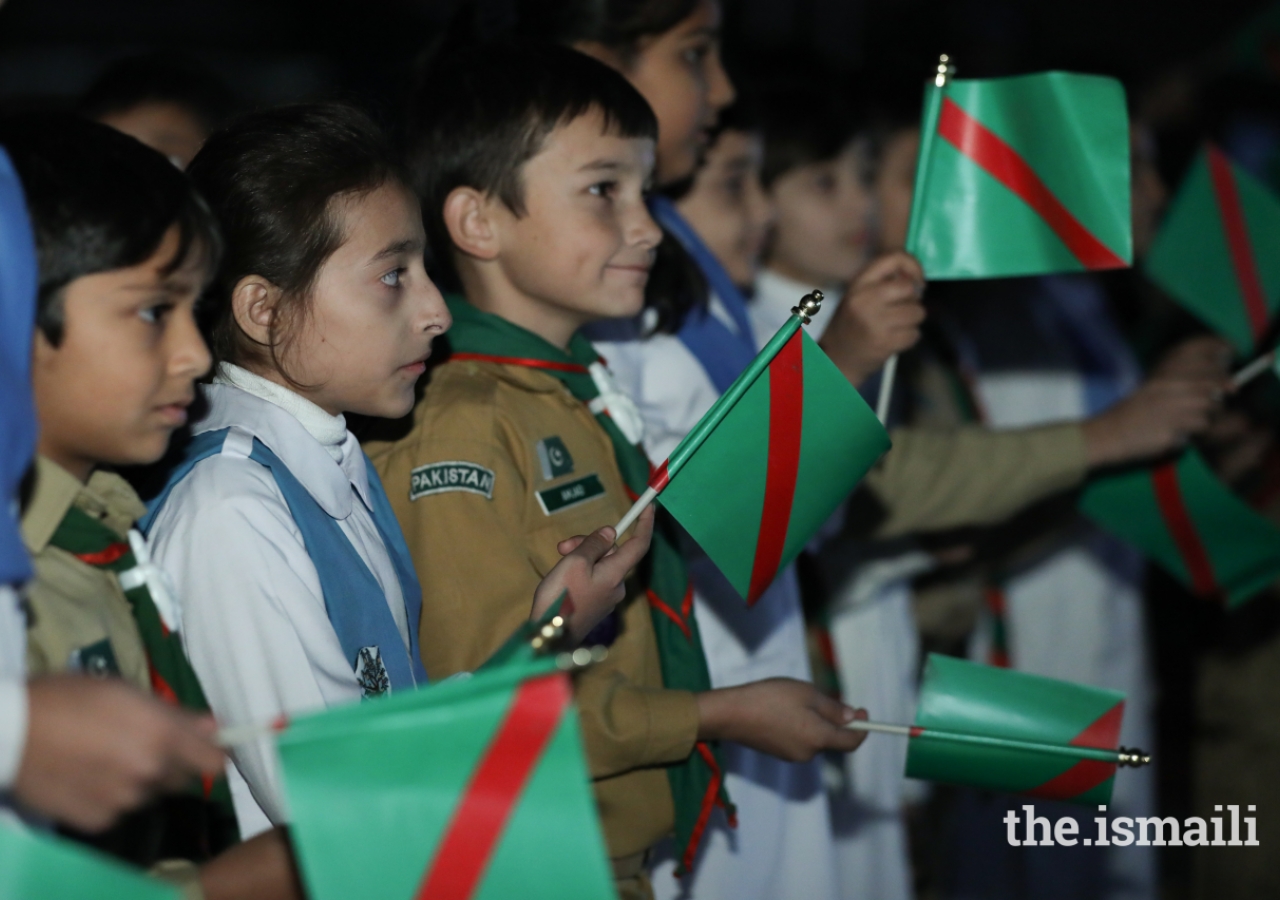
column 172, row 678
column 697, row 784
column 722, row 352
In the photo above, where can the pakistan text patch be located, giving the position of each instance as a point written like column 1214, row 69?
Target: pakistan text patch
column 452, row 475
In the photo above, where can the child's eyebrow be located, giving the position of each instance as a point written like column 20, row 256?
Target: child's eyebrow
column 398, row 248
column 603, row 165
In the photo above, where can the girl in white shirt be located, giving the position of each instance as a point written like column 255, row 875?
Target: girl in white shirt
column 297, row 589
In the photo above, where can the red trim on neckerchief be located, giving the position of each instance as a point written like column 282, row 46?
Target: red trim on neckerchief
column 522, row 361
column 916, row 731
column 462, row 855
column 105, row 556
column 786, row 415
column 1173, row 509
column 710, row 800
column 1007, row 166
column 1236, row 230
column 1087, row 774
column 160, row 687
column 686, row 606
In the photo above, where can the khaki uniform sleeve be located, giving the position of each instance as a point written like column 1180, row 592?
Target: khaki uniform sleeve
column 468, row 547
column 937, row 480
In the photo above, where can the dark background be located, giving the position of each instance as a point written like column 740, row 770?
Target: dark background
column 278, row 50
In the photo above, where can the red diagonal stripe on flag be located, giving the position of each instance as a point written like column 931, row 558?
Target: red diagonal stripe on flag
column 786, row 414
column 1087, row 774
column 487, row 802
column 1173, row 509
column 1237, row 234
column 989, row 151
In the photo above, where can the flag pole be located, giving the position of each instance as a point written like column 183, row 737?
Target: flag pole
column 929, row 128
column 1253, row 370
column 1122, row 756
column 801, row 314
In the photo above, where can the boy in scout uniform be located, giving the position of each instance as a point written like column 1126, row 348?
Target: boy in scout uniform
column 125, row 247
column 532, row 168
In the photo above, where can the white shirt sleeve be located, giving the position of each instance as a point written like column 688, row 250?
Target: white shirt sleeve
column 255, row 625
column 13, row 687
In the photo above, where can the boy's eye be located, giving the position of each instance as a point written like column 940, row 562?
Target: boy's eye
column 392, row 278
column 153, row 315
column 697, row 53
column 603, row 189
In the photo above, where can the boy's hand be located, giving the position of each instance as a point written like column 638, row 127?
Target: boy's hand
column 99, row 748
column 1197, row 357
column 593, row 572
column 1155, row 419
column 786, row 718
column 878, row 316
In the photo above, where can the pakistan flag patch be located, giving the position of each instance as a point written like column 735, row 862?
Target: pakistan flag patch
column 452, row 475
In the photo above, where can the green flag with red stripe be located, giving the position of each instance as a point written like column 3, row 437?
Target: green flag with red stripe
column 1044, row 737
column 771, row 461
column 471, row 788
column 1214, row 253
column 1182, row 517
column 33, row 865
column 1022, row 176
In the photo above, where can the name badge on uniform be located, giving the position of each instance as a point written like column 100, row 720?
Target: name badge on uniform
column 451, row 475
column 554, row 458
column 565, row 496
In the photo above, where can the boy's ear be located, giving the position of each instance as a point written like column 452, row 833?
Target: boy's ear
column 253, row 303
column 468, row 215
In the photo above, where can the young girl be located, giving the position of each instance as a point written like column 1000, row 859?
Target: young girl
column 298, row 591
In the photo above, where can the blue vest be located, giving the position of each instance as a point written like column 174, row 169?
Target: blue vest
column 354, row 600
column 724, row 354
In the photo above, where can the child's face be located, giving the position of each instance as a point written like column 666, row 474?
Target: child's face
column 728, row 206
column 824, row 209
column 894, row 186
column 373, row 312
column 680, row 73
column 584, row 246
column 113, row 391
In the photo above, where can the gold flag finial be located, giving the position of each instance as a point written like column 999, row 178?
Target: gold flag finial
column 808, row 307
column 1132, row 758
column 945, row 70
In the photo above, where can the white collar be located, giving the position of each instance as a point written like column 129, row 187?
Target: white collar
column 327, row 480
column 775, row 295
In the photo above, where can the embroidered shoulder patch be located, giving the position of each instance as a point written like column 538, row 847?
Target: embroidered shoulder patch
column 451, row 475
column 554, row 458
column 371, row 673
column 564, row 496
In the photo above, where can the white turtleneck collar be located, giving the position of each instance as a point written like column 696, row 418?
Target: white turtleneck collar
column 330, row 431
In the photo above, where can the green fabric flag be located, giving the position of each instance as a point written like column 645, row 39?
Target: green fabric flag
column 1022, row 176
column 1214, row 252
column 1189, row 522
column 39, row 865
column 769, row 463
column 1015, row 732
column 697, row 784
column 475, row 787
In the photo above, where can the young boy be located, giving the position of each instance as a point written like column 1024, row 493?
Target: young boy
column 532, row 168
column 125, row 247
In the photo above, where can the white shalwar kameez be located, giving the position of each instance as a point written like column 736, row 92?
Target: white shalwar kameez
column 782, row 847
column 876, row 649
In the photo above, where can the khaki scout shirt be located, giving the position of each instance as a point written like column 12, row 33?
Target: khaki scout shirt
column 81, row 619
column 501, row 464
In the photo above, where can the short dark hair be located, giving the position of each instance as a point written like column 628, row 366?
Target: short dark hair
column 272, row 179
column 99, row 201
column 804, row 122
column 481, row 114
column 159, row 78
